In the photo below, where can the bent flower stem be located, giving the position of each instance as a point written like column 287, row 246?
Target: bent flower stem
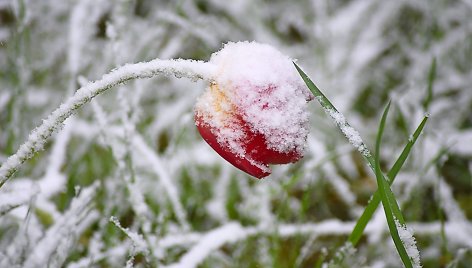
column 194, row 70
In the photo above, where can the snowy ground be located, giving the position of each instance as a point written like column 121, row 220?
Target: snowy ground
column 128, row 181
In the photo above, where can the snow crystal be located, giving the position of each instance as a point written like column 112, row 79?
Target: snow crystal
column 56, row 243
column 351, row 134
column 16, row 196
column 339, row 184
column 343, row 255
column 214, row 239
column 409, row 242
column 258, row 83
column 171, row 190
column 139, row 244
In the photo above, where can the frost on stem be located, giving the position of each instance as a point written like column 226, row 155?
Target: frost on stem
column 255, row 112
column 406, row 235
column 56, row 243
column 351, row 134
column 139, row 244
column 343, row 256
column 180, row 68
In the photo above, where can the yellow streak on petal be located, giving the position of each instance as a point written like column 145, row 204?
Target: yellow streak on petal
column 221, row 103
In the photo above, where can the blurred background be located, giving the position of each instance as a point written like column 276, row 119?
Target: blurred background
column 128, row 181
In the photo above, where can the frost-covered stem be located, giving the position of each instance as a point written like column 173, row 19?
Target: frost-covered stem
column 348, row 131
column 139, row 244
column 409, row 242
column 180, row 68
column 57, row 241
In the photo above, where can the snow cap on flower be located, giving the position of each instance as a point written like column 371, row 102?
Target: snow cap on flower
column 255, row 111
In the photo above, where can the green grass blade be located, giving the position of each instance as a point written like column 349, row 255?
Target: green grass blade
column 375, row 200
column 384, row 193
column 329, row 108
column 406, row 151
column 429, row 93
column 390, row 205
column 314, row 89
column 372, row 206
column 379, row 136
column 393, row 227
column 364, row 219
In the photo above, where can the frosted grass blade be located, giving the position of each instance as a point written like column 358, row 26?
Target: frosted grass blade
column 384, row 192
column 375, row 200
column 329, row 107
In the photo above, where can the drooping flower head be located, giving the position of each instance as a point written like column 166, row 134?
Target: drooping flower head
column 255, row 111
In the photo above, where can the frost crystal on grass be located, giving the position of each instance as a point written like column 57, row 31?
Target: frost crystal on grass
column 343, row 256
column 57, row 242
column 351, row 134
column 138, row 241
column 406, row 235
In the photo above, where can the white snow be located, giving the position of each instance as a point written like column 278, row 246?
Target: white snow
column 406, row 235
column 351, row 134
column 13, row 197
column 139, row 244
column 81, row 29
column 57, row 241
column 155, row 162
column 339, row 185
column 216, row 207
column 228, row 233
column 461, row 140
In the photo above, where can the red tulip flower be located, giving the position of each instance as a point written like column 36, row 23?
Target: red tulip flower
column 254, row 113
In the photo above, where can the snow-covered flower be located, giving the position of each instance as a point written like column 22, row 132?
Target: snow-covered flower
column 254, row 113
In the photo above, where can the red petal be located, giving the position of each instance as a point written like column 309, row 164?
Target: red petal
column 257, row 155
column 256, row 147
column 243, row 164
